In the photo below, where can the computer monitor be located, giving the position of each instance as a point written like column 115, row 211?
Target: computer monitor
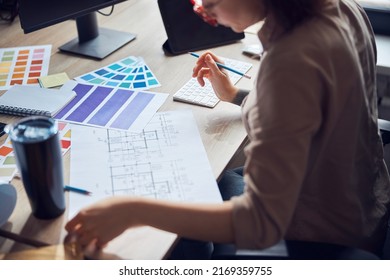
column 92, row 41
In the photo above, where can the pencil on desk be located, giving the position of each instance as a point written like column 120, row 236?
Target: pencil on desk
column 220, row 65
column 77, row 190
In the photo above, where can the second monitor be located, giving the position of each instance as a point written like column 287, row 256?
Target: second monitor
column 188, row 32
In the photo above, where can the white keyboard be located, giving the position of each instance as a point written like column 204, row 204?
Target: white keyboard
column 193, row 93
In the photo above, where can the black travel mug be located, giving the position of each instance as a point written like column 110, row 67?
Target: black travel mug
column 38, row 156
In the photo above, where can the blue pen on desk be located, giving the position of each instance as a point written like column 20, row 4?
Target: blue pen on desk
column 77, row 190
column 225, row 67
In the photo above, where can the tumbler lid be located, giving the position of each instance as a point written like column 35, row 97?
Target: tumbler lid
column 32, row 129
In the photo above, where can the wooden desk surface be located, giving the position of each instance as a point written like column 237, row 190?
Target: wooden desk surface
column 220, row 128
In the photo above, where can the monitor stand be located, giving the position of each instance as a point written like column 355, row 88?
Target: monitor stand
column 95, row 42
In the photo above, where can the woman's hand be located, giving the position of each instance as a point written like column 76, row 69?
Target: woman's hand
column 100, row 223
column 94, row 226
column 207, row 68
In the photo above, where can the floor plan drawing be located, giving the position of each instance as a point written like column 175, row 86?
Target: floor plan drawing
column 166, row 160
column 162, row 180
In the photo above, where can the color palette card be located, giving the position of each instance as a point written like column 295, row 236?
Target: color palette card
column 8, row 167
column 108, row 107
column 23, row 65
column 128, row 73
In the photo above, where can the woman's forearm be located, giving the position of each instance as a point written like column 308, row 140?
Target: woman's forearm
column 209, row 222
column 105, row 220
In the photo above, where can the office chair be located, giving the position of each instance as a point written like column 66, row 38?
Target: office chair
column 304, row 250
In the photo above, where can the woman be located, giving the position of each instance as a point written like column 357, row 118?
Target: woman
column 314, row 166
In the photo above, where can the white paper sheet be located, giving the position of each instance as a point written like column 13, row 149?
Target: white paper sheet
column 113, row 108
column 166, row 161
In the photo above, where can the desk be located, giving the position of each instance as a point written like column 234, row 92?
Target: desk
column 221, row 129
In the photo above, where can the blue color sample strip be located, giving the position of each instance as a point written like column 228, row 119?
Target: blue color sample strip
column 81, row 90
column 128, row 73
column 130, row 113
column 85, row 108
column 108, row 110
column 105, row 106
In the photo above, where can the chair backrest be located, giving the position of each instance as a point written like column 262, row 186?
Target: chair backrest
column 386, row 247
column 384, row 127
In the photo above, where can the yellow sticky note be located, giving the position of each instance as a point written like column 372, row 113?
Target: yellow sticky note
column 54, row 80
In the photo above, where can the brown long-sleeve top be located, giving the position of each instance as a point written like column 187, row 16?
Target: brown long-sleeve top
column 314, row 168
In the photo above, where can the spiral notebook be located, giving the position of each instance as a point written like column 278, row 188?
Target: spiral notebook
column 23, row 100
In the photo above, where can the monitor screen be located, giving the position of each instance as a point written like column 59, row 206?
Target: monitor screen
column 92, row 41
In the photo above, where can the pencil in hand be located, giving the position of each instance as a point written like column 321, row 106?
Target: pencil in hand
column 220, row 65
column 77, row 190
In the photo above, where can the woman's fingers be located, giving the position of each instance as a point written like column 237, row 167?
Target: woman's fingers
column 202, row 74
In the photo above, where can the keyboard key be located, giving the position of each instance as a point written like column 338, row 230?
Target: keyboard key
column 193, row 93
